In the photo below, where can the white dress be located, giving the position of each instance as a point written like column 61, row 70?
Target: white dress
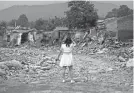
column 67, row 57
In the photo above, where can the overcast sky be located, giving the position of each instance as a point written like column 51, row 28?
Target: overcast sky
column 9, row 3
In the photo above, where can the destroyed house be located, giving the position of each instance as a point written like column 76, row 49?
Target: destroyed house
column 121, row 28
column 60, row 31
column 22, row 36
column 101, row 24
column 10, row 28
column 125, row 28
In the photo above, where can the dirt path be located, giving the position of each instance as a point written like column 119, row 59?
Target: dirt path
column 91, row 76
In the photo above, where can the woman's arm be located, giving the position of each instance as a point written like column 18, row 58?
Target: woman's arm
column 74, row 43
column 59, row 55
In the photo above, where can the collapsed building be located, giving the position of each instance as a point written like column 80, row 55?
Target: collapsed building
column 57, row 35
column 120, row 28
column 18, row 36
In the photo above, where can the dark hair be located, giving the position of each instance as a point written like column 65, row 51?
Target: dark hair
column 68, row 41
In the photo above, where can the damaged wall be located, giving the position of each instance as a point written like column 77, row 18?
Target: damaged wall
column 125, row 27
column 121, row 28
column 111, row 26
column 13, row 39
column 17, row 38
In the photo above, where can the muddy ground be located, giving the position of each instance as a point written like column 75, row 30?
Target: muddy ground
column 91, row 73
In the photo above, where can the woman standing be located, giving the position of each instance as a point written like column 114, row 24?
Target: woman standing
column 67, row 57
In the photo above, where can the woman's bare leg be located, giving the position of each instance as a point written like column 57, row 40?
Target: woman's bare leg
column 70, row 73
column 63, row 74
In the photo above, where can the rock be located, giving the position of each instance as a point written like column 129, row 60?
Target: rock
column 105, row 49
column 132, row 48
column 46, row 68
column 100, row 52
column 91, row 53
column 102, row 71
column 58, row 51
column 109, row 69
column 40, row 71
column 13, row 64
column 79, row 52
column 4, row 67
column 45, row 64
column 51, row 62
column 3, row 74
column 121, row 59
column 34, row 68
column 37, row 67
column 118, row 92
column 45, row 91
column 130, row 63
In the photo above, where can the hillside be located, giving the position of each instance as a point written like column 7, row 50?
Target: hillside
column 47, row 11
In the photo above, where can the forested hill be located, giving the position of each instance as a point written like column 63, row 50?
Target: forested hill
column 47, row 11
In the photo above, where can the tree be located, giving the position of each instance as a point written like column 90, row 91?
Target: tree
column 12, row 22
column 64, row 21
column 32, row 24
column 115, row 12
column 39, row 24
column 110, row 15
column 23, row 21
column 49, row 24
column 124, row 11
column 3, row 26
column 57, row 21
column 82, row 14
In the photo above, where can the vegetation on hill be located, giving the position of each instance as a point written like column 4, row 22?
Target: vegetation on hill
column 120, row 12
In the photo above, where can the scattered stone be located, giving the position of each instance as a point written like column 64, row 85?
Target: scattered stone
column 121, row 59
column 79, row 52
column 13, row 64
column 2, row 90
column 33, row 59
column 56, row 91
column 104, row 50
column 46, row 68
column 3, row 66
column 100, row 52
column 78, row 92
column 118, row 92
column 3, row 74
column 109, row 69
column 130, row 63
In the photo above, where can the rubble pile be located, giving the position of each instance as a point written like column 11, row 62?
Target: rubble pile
column 25, row 61
column 110, row 50
column 33, row 63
